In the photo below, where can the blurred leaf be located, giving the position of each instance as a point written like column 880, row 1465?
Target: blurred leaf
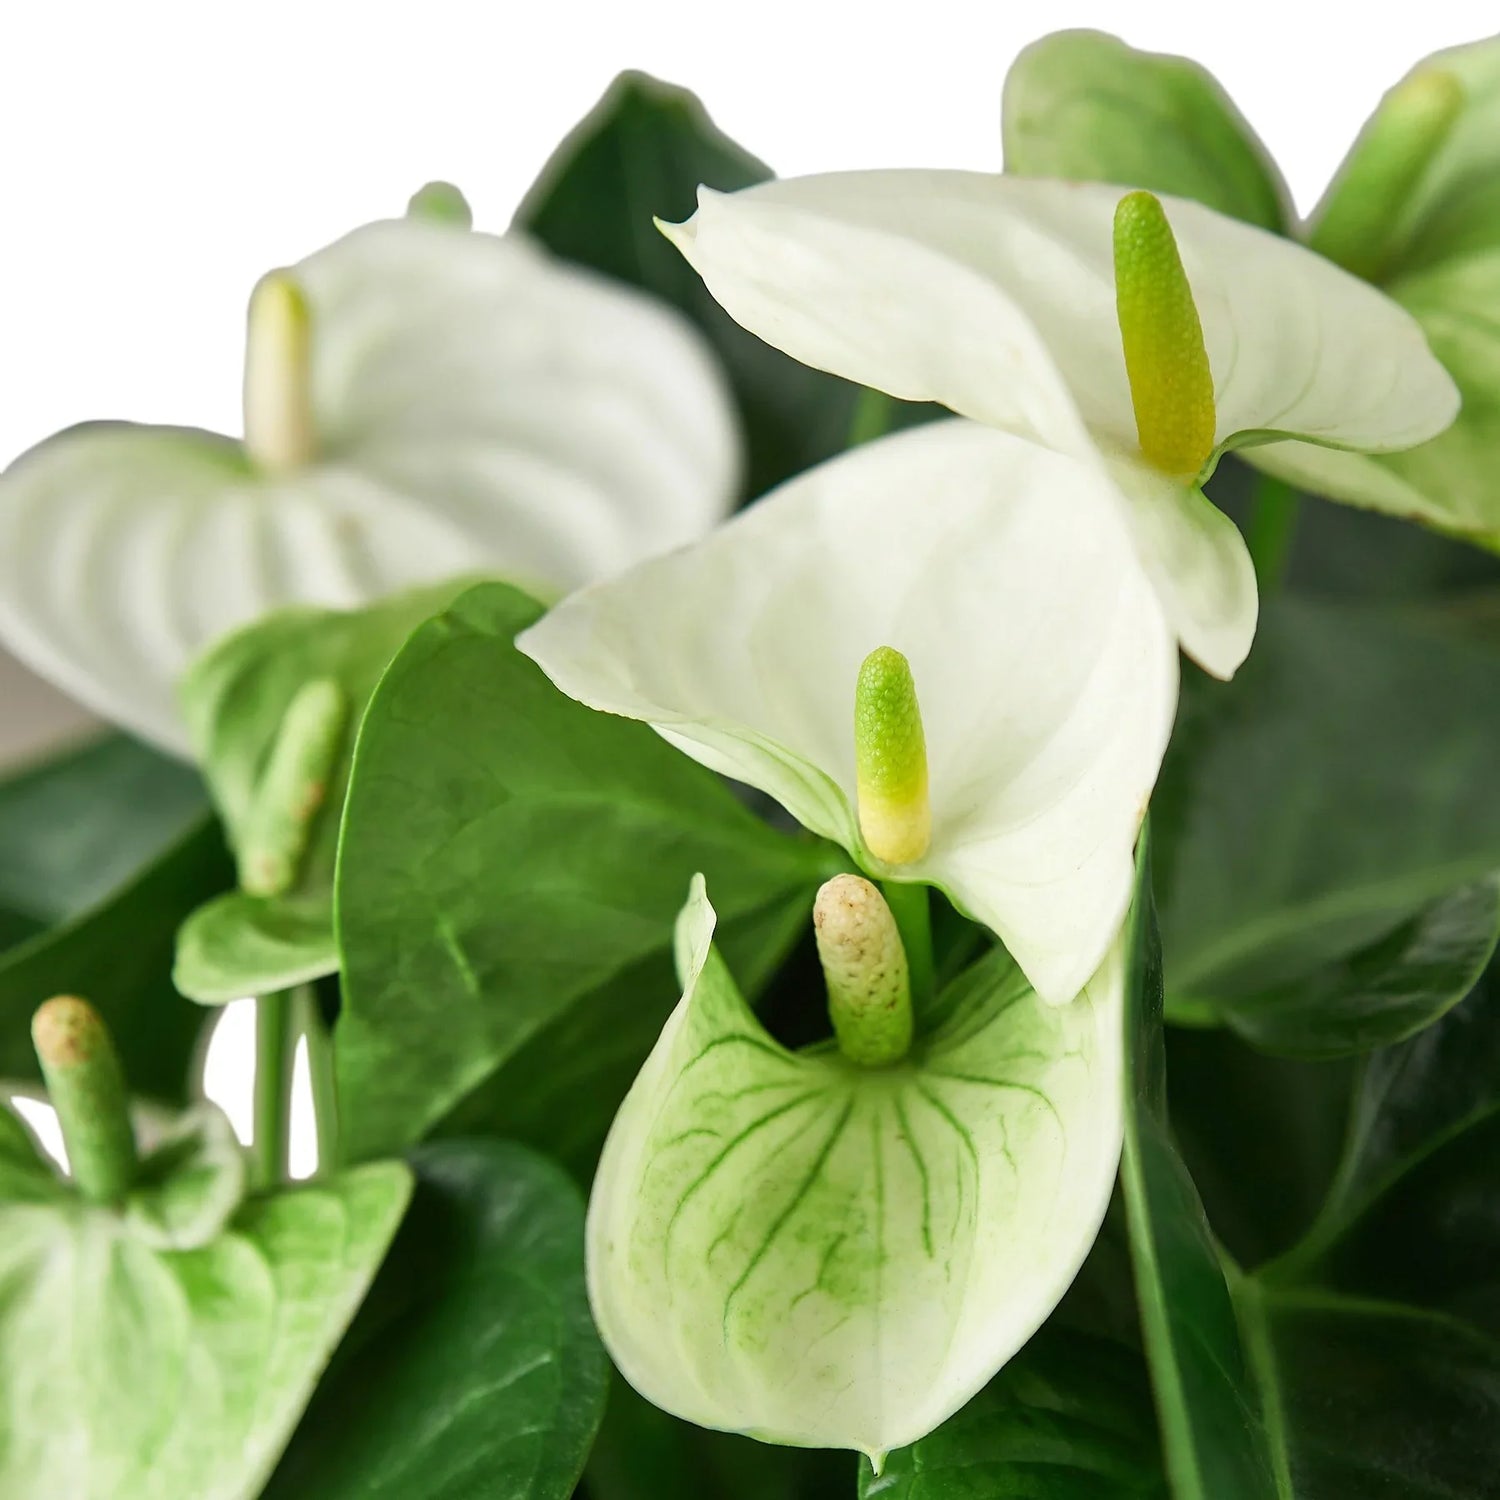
column 76, row 827
column 512, row 864
column 473, row 1368
column 1084, row 105
column 119, row 956
column 235, row 698
column 134, row 1373
column 641, row 154
column 1318, row 825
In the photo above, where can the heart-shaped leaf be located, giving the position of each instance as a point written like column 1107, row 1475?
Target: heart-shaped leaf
column 138, row 1373
column 240, row 702
column 641, row 154
column 474, row 1367
column 507, row 887
column 1083, row 105
column 1324, row 863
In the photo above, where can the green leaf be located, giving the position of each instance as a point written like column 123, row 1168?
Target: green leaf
column 239, row 945
column 134, row 1373
column 118, row 955
column 1068, row 1419
column 510, row 868
column 236, row 700
column 913, row 1223
column 474, row 1368
column 642, row 154
column 190, row 1183
column 1084, row 105
column 1266, row 1385
column 1324, row 861
column 1215, row 1445
column 642, row 1453
column 75, row 828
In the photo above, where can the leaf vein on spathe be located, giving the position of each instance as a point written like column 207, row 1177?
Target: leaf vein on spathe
column 783, row 1218
column 812, row 1096
column 1004, row 1084
column 919, row 1162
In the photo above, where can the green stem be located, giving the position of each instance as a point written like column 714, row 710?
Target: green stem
column 321, row 1075
column 873, row 411
column 1273, row 524
column 273, row 1086
column 909, row 904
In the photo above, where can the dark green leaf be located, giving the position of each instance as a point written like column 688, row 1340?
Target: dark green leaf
column 235, row 699
column 76, row 828
column 1068, row 1419
column 474, row 1369
column 511, row 867
column 644, row 1454
column 1269, row 1388
column 1215, row 1445
column 642, row 153
column 119, row 956
column 1083, row 105
column 1317, row 822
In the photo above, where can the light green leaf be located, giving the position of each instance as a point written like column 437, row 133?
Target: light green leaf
column 1084, row 105
column 642, row 153
column 1068, row 1419
column 473, row 1368
column 236, row 700
column 190, row 1183
column 789, row 1245
column 239, row 945
column 510, row 866
column 1317, row 826
column 134, row 1373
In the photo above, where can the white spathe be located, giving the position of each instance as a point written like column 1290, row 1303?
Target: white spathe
column 996, row 297
column 791, row 1246
column 478, row 407
column 1044, row 667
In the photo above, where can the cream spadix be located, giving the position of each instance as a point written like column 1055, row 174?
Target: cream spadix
column 1009, row 599
column 865, row 969
column 999, row 297
column 279, row 437
column 813, row 1251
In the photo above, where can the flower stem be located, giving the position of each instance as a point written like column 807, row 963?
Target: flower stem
column 273, row 1086
column 908, row 901
column 320, row 1074
column 1273, row 524
column 873, row 411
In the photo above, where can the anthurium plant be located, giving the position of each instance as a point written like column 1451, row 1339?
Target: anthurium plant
column 871, row 797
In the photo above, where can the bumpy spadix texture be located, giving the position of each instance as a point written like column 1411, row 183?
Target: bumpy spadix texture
column 865, row 969
column 996, row 297
column 1171, row 385
column 890, row 759
column 463, row 404
column 1002, row 573
column 793, row 1246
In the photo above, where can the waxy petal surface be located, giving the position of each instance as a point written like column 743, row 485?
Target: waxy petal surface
column 1044, row 668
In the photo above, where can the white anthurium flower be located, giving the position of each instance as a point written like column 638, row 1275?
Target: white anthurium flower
column 420, row 401
column 839, row 1247
column 937, row 650
column 1148, row 334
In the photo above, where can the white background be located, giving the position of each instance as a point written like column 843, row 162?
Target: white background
column 157, row 155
